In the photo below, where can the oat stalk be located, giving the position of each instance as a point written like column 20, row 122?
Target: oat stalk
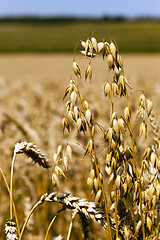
column 96, row 164
column 111, row 97
column 136, row 171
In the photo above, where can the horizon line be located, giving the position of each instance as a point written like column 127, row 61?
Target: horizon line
column 108, row 17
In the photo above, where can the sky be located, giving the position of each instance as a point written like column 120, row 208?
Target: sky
column 84, row 8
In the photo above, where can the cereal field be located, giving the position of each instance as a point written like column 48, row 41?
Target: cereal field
column 31, row 109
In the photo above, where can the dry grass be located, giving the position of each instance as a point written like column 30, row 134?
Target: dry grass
column 31, row 109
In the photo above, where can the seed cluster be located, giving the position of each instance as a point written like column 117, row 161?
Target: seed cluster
column 61, row 158
column 31, row 151
column 82, row 206
column 11, row 230
column 74, row 112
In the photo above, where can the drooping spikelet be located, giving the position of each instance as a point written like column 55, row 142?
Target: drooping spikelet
column 11, row 230
column 88, row 72
column 31, row 151
column 82, row 206
column 76, row 69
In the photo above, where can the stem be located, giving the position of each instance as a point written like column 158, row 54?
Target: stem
column 100, row 126
column 135, row 166
column 96, row 165
column 104, row 198
column 49, row 227
column 51, row 223
column 71, row 225
column 11, row 184
column 115, row 201
column 28, row 217
column 70, row 140
column 112, row 105
column 14, row 208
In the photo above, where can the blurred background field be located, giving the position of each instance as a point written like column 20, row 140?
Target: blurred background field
column 61, row 35
column 36, row 56
column 31, row 96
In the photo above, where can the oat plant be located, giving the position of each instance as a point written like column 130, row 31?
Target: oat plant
column 132, row 212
